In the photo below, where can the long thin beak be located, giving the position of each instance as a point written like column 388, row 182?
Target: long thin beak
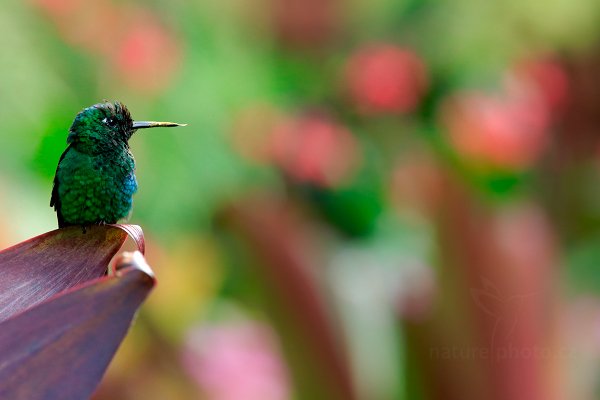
column 154, row 124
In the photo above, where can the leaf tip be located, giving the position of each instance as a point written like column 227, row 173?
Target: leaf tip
column 134, row 260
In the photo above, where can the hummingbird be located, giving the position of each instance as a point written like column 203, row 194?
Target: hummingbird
column 95, row 178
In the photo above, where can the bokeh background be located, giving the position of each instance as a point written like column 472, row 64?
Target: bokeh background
column 382, row 199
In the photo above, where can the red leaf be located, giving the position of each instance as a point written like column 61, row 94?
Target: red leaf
column 37, row 269
column 60, row 349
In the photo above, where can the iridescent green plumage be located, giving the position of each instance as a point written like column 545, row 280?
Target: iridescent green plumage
column 95, row 180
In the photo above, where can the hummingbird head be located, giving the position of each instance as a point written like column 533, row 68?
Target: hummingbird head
column 106, row 125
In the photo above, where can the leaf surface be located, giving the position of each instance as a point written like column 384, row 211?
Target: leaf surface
column 61, row 348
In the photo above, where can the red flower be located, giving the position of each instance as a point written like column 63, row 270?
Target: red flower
column 315, row 149
column 508, row 132
column 384, row 78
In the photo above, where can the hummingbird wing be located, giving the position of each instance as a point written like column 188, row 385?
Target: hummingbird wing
column 55, row 197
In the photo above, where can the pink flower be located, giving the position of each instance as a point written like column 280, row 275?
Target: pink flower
column 147, row 54
column 142, row 53
column 501, row 131
column 548, row 78
column 384, row 78
column 315, row 149
column 236, row 361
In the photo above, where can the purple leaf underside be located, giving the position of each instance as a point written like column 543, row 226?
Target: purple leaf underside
column 60, row 349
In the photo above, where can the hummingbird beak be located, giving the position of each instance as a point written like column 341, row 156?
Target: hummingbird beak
column 154, row 124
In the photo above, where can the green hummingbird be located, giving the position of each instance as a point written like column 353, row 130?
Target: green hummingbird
column 95, row 178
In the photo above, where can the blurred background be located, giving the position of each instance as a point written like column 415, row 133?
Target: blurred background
column 383, row 199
